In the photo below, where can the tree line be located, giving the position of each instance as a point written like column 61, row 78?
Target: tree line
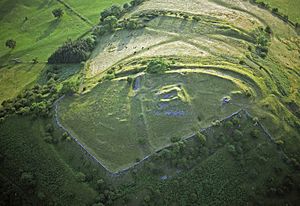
column 73, row 51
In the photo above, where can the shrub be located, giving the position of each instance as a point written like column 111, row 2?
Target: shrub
column 110, row 23
column 58, row 13
column 142, row 141
column 157, row 66
column 235, row 121
column 175, row 139
column 131, row 24
column 110, row 76
column 11, row 43
column 69, row 88
column 114, row 10
column 80, row 177
column 228, row 124
column 27, row 180
column 201, row 138
column 275, row 10
column 268, row 30
column 237, row 135
column 49, row 128
column 231, row 149
column 254, row 133
column 129, row 80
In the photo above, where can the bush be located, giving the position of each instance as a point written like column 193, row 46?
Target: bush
column 175, row 139
column 201, row 138
column 80, row 177
column 100, row 184
column 110, row 76
column 157, row 66
column 237, row 135
column 254, row 133
column 131, row 24
column 114, row 10
column 268, row 30
column 69, row 88
column 27, row 180
column 275, row 10
column 129, row 80
column 231, row 149
column 11, row 43
column 58, row 13
column 49, row 128
column 64, row 136
column 110, row 23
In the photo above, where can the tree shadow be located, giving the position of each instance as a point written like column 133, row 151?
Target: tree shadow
column 51, row 28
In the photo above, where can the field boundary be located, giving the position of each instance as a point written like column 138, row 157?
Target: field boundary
column 86, row 20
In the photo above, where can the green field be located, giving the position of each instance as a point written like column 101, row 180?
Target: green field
column 290, row 8
column 91, row 9
column 39, row 37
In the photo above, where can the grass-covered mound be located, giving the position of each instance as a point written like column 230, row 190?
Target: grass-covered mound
column 138, row 117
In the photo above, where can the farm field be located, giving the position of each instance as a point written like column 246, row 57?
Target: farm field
column 91, row 9
column 149, row 102
column 36, row 37
column 290, row 8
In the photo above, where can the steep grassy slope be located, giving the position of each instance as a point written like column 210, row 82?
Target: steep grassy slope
column 24, row 151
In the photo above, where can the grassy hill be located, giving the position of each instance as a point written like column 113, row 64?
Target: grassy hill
column 197, row 100
column 24, row 152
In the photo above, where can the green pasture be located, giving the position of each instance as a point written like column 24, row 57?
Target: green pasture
column 91, row 9
column 287, row 7
column 39, row 36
